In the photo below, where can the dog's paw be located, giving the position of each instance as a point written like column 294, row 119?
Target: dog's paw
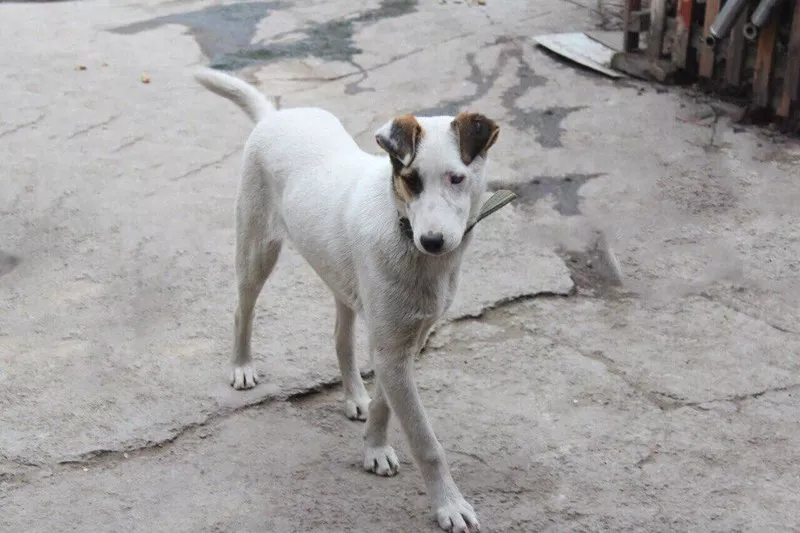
column 244, row 377
column 381, row 460
column 356, row 408
column 458, row 516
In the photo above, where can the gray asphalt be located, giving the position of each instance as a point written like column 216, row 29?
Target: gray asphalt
column 624, row 354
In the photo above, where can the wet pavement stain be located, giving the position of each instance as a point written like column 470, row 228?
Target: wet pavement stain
column 565, row 190
column 484, row 82
column 218, row 30
column 225, row 34
column 7, row 263
column 329, row 41
column 595, row 270
column 545, row 122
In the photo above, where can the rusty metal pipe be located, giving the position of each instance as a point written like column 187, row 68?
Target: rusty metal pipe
column 759, row 18
column 725, row 20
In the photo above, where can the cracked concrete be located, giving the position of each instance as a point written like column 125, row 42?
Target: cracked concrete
column 204, row 166
column 91, row 127
column 623, row 354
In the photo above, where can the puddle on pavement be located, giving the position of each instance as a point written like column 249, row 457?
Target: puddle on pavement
column 225, row 33
column 563, row 189
column 7, row 263
column 218, row 30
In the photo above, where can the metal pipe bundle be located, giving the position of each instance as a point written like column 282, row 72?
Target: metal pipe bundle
column 759, row 18
column 725, row 20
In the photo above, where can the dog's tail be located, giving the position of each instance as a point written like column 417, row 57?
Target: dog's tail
column 251, row 100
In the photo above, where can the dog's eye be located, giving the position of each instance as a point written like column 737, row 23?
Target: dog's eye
column 413, row 182
column 455, row 179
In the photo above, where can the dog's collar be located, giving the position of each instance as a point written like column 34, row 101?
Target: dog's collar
column 497, row 201
column 405, row 228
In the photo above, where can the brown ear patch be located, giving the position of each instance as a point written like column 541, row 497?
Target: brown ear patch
column 476, row 134
column 401, row 138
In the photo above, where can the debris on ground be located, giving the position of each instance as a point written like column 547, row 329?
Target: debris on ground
column 581, row 49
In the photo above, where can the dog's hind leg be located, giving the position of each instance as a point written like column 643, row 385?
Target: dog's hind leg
column 356, row 398
column 258, row 246
column 256, row 266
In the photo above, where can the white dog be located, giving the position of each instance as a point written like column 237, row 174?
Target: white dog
column 385, row 234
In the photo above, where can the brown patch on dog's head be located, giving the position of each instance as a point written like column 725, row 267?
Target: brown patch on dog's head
column 476, row 134
column 400, row 138
column 407, row 183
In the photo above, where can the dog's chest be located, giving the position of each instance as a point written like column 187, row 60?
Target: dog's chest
column 431, row 298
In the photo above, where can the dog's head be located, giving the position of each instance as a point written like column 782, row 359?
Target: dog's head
column 438, row 173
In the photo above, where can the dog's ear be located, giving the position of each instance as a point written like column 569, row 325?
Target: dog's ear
column 400, row 137
column 475, row 133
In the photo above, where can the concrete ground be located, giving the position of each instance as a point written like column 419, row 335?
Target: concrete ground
column 624, row 355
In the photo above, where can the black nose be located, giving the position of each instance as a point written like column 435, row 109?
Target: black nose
column 432, row 242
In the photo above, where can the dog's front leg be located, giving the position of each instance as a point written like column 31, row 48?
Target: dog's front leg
column 379, row 456
column 395, row 376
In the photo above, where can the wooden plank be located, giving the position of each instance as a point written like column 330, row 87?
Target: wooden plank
column 683, row 33
column 791, row 81
column 668, row 41
column 630, row 41
column 655, row 36
column 734, row 61
column 762, row 78
column 582, row 49
column 706, row 69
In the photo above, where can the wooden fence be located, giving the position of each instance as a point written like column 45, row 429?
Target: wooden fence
column 749, row 49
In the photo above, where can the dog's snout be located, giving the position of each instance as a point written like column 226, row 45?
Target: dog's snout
column 432, row 242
